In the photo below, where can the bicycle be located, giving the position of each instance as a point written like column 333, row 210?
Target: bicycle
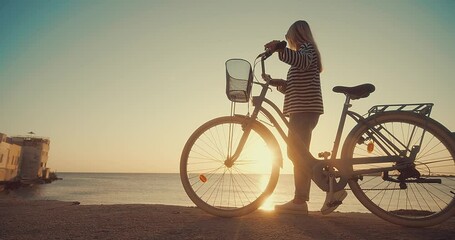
column 398, row 162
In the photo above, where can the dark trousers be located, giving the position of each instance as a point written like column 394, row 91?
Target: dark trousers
column 299, row 137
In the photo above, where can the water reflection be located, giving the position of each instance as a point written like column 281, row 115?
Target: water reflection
column 33, row 192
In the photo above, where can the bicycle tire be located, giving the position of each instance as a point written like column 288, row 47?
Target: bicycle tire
column 230, row 191
column 419, row 204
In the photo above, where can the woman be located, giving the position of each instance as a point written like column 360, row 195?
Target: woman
column 303, row 105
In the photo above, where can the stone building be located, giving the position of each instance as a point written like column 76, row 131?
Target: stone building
column 23, row 158
column 10, row 156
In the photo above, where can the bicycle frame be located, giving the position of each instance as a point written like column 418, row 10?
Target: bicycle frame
column 397, row 160
column 321, row 170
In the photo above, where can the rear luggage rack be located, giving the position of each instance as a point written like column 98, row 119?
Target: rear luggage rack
column 420, row 108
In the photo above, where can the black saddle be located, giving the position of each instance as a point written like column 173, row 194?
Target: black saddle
column 357, row 92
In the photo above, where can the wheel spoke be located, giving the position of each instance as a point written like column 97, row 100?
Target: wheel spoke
column 410, row 194
column 229, row 188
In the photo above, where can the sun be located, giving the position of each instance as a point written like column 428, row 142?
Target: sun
column 255, row 159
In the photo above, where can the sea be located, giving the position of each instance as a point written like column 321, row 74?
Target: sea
column 152, row 188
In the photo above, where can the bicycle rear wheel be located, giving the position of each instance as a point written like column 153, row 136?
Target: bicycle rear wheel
column 224, row 189
column 418, row 196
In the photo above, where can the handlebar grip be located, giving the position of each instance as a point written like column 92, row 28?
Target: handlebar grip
column 268, row 52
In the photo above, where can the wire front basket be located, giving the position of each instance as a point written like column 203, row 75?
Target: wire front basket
column 239, row 79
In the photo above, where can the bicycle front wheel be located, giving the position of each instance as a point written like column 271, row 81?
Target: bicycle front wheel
column 225, row 189
column 417, row 196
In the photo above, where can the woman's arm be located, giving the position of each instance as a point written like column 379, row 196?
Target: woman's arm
column 280, row 84
column 282, row 88
column 301, row 59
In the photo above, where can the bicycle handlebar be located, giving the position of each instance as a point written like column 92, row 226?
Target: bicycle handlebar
column 268, row 52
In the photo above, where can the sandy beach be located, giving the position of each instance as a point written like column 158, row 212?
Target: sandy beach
column 22, row 219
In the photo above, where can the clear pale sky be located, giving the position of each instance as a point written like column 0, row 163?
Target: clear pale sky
column 119, row 86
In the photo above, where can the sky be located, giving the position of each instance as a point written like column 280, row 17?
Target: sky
column 119, row 86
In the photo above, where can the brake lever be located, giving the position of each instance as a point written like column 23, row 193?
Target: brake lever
column 265, row 54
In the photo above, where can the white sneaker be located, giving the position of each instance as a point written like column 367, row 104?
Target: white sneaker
column 331, row 204
column 292, row 208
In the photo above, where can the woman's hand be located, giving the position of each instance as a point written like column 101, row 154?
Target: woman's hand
column 271, row 45
column 275, row 45
column 280, row 84
column 282, row 88
column 273, row 82
column 277, row 82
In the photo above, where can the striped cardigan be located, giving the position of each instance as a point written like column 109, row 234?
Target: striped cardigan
column 303, row 86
